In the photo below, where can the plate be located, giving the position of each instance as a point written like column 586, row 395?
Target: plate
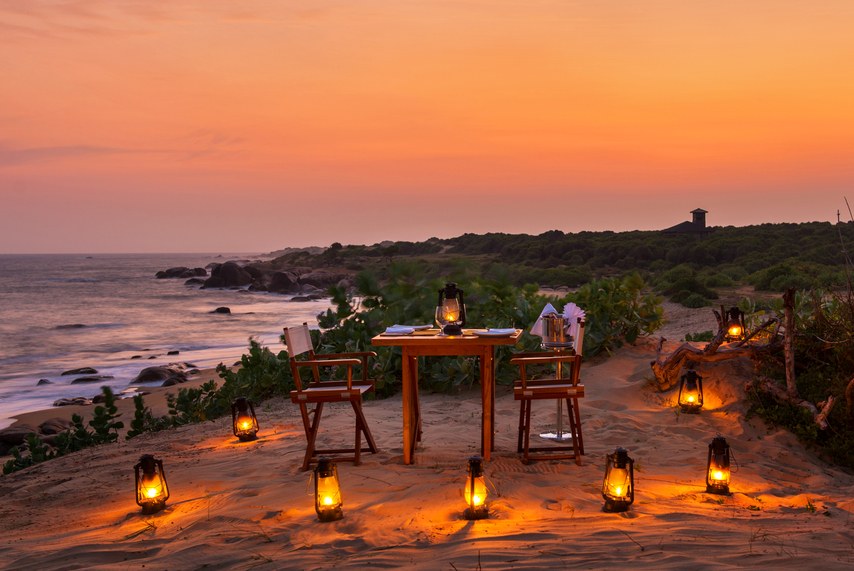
column 413, row 327
column 494, row 332
column 398, row 330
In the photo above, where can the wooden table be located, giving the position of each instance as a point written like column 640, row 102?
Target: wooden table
column 429, row 343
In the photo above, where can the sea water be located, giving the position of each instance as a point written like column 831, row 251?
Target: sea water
column 109, row 312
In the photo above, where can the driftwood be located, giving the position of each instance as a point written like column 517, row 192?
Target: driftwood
column 667, row 369
column 819, row 413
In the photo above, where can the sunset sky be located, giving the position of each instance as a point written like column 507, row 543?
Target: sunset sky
column 220, row 126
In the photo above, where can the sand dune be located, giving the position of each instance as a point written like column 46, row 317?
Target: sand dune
column 247, row 506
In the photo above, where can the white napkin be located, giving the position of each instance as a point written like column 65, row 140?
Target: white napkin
column 572, row 312
column 537, row 329
column 398, row 330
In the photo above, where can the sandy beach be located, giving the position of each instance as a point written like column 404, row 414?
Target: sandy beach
column 246, row 505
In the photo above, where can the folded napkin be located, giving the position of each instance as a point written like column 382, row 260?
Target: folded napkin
column 413, row 327
column 537, row 329
column 399, row 330
column 572, row 312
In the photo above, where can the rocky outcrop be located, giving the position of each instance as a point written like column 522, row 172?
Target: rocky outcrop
column 91, row 379
column 81, row 371
column 181, row 272
column 166, row 376
column 223, row 309
column 228, row 275
column 71, row 401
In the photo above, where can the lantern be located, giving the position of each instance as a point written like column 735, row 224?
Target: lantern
column 475, row 490
column 243, row 419
column 618, row 487
column 735, row 327
column 451, row 310
column 327, row 491
column 691, row 392
column 717, row 467
column 151, row 489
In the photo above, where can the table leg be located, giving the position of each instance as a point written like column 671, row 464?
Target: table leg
column 407, row 397
column 487, row 383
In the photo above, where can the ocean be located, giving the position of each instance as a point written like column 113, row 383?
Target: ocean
column 109, row 312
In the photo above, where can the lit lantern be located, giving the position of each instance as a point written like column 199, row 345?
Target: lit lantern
column 475, row 490
column 451, row 310
column 691, row 392
column 717, row 468
column 243, row 419
column 151, row 489
column 618, row 487
column 327, row 491
column 735, row 327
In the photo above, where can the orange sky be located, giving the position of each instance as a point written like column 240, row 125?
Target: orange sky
column 254, row 125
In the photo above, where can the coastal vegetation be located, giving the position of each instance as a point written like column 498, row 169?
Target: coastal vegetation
column 618, row 278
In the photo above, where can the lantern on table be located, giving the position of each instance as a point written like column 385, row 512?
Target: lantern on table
column 243, row 420
column 618, row 487
column 717, row 467
column 691, row 392
column 475, row 491
column 151, row 488
column 327, row 491
column 451, row 310
column 735, row 327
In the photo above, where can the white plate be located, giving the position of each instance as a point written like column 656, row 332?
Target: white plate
column 398, row 330
column 494, row 332
column 414, row 327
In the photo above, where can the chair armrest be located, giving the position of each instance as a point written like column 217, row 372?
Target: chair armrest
column 339, row 355
column 556, row 358
column 328, row 362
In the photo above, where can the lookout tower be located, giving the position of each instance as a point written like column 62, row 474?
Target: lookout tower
column 697, row 225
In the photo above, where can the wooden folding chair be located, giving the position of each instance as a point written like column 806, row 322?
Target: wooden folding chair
column 319, row 391
column 562, row 384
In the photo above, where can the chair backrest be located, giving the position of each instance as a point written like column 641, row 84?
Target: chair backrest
column 579, row 336
column 298, row 340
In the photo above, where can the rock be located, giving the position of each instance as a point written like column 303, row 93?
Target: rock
column 161, row 375
column 222, row 310
column 300, row 298
column 137, row 357
column 194, row 281
column 322, row 278
column 70, row 326
column 16, row 435
column 54, row 425
column 75, row 400
column 44, row 382
column 228, row 274
column 81, row 371
column 91, row 379
column 284, row 282
column 316, row 296
column 180, row 272
column 173, row 352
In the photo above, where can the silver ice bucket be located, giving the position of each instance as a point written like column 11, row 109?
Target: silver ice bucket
column 555, row 333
